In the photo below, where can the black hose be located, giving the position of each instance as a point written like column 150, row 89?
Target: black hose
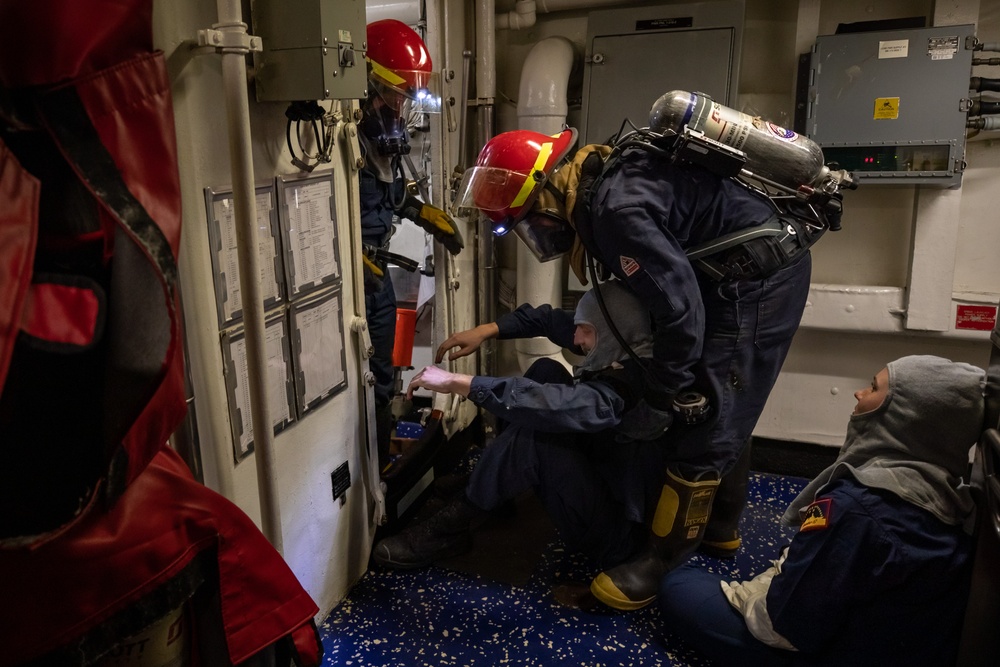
column 979, row 83
column 980, row 108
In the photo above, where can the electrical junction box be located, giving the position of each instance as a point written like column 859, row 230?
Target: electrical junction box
column 636, row 54
column 313, row 50
column 891, row 106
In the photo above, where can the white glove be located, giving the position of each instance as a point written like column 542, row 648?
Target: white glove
column 750, row 599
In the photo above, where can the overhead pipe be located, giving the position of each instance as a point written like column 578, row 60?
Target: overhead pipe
column 542, row 107
column 525, row 12
column 235, row 42
column 407, row 11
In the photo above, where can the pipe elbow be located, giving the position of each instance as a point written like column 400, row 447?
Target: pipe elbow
column 521, row 17
column 544, row 79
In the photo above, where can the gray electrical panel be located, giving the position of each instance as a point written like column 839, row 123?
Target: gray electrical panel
column 313, row 49
column 636, row 54
column 891, row 106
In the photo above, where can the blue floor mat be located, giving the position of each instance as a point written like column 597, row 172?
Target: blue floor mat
column 436, row 617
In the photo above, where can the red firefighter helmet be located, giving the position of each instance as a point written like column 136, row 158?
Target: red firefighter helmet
column 400, row 69
column 510, row 172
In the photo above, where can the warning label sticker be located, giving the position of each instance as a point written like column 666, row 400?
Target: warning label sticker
column 976, row 318
column 886, row 108
column 893, row 48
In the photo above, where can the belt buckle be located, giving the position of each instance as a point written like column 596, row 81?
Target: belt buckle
column 740, row 265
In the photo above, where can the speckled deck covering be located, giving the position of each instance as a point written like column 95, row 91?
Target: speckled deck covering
column 436, row 617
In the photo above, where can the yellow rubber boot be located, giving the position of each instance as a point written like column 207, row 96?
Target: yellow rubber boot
column 678, row 527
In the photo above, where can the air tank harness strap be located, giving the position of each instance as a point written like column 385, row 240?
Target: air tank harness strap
column 755, row 252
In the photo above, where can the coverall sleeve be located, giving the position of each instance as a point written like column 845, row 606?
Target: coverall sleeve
column 646, row 256
column 828, row 573
column 532, row 321
column 550, row 408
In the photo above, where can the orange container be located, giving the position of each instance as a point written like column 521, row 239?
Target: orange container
column 406, row 327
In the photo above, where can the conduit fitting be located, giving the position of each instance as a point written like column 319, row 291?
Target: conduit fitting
column 983, row 123
column 522, row 16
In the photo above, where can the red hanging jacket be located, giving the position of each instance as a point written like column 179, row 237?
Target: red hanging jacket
column 102, row 528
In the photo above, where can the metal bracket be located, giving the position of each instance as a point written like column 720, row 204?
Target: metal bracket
column 230, row 38
column 355, row 159
column 359, row 325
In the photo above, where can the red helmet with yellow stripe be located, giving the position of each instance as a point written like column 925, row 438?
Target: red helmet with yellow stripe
column 510, row 172
column 400, row 69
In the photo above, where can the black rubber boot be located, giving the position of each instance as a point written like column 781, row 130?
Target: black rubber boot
column 678, row 526
column 722, row 534
column 443, row 535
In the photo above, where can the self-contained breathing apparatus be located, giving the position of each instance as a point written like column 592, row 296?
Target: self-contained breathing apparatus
column 802, row 214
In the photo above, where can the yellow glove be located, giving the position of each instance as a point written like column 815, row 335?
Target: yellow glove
column 372, row 276
column 435, row 221
column 371, row 266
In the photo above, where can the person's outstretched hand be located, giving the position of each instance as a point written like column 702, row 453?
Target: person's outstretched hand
column 439, row 380
column 467, row 341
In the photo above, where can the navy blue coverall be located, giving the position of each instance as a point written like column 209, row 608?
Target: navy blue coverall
column 558, row 439
column 885, row 583
column 726, row 339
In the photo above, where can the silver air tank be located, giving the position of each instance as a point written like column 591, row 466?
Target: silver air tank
column 772, row 152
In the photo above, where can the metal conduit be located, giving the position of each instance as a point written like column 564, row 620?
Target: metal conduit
column 237, row 103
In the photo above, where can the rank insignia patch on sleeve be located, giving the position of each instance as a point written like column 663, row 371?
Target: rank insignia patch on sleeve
column 817, row 515
column 629, row 265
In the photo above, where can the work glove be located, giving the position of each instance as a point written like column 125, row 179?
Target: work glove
column 433, row 220
column 644, row 423
column 750, row 599
column 373, row 276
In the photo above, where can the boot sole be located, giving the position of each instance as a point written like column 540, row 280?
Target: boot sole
column 451, row 552
column 605, row 590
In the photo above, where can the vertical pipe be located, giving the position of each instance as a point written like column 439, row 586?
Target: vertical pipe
column 245, row 208
column 542, row 107
column 463, row 113
column 486, row 70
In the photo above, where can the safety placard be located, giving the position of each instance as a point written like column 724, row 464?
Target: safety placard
column 320, row 359
column 307, row 217
column 886, row 108
column 975, row 318
column 221, row 214
column 280, row 388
